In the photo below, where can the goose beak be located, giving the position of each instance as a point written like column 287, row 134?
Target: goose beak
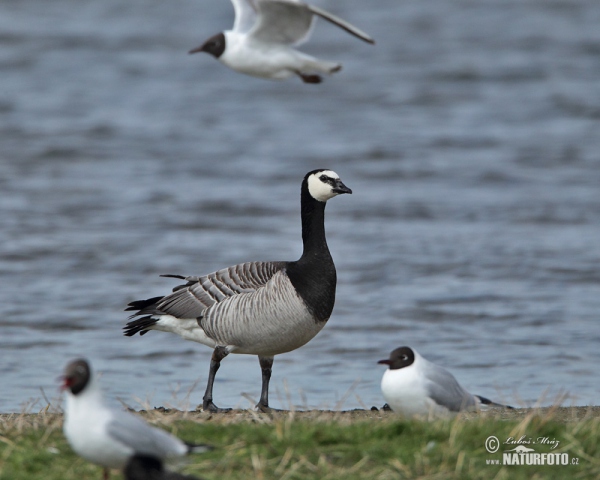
column 339, row 187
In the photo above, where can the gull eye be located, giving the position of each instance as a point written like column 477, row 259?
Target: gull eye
column 404, row 357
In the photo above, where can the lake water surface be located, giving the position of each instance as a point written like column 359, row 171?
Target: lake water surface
column 470, row 135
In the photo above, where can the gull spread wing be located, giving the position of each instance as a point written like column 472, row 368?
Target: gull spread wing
column 282, row 21
column 290, row 22
column 343, row 24
column 245, row 15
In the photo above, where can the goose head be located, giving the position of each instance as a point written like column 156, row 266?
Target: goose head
column 324, row 184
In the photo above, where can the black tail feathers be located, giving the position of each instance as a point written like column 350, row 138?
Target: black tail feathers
column 140, row 325
column 141, row 304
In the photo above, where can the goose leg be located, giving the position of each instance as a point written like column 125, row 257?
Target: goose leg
column 219, row 353
column 266, row 365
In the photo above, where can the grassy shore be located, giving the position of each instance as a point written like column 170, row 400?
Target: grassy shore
column 358, row 444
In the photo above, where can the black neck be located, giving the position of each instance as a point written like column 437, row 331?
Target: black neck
column 313, row 227
column 313, row 275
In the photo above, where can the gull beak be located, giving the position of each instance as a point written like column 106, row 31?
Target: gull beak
column 65, row 382
column 197, row 49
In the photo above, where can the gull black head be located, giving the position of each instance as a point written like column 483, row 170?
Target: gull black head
column 400, row 358
column 323, row 184
column 77, row 376
column 215, row 45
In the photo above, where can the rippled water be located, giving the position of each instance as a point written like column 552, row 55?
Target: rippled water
column 470, row 135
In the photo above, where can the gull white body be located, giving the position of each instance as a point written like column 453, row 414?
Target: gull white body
column 269, row 60
column 85, row 426
column 405, row 391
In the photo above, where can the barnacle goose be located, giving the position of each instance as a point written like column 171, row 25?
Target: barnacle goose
column 258, row 308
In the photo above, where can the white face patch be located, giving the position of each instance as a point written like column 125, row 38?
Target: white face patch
column 321, row 190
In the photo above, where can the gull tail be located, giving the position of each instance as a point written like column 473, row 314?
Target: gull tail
column 487, row 402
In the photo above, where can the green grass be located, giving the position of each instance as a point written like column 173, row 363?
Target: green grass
column 320, row 446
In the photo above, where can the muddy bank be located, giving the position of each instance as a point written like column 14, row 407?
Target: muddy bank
column 561, row 414
column 163, row 415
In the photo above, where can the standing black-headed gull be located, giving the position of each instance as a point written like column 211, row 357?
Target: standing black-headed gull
column 263, row 35
column 109, row 437
column 415, row 386
column 143, row 467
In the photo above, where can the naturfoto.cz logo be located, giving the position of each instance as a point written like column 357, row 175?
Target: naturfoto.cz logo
column 522, row 454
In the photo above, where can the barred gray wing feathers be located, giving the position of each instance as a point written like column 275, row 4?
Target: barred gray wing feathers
column 191, row 299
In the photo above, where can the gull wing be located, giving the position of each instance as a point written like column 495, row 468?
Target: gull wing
column 343, row 24
column 143, row 438
column 285, row 22
column 245, row 15
column 445, row 390
column 290, row 22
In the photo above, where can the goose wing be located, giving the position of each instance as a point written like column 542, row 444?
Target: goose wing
column 191, row 299
column 290, row 22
